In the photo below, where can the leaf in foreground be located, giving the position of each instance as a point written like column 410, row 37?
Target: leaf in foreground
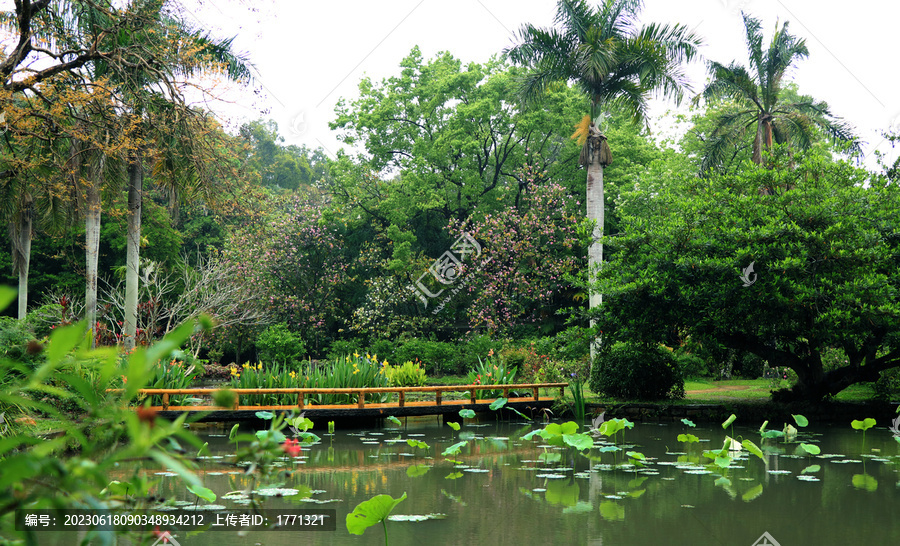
column 371, row 512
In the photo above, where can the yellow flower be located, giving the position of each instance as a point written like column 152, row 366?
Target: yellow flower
column 385, row 362
column 354, row 354
column 246, row 365
column 354, row 371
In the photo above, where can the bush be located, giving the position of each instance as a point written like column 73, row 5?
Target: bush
column 637, row 371
column 342, row 347
column 17, row 342
column 407, row 375
column 278, row 345
column 887, row 388
column 438, row 356
column 692, row 365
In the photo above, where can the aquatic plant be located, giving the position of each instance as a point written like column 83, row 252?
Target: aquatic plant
column 492, row 371
column 372, row 512
column 863, row 425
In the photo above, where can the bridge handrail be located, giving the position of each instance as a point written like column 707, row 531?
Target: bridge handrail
column 360, row 391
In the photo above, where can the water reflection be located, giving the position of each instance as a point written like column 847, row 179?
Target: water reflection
column 500, row 489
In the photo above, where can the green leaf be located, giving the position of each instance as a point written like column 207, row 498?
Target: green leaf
column 688, row 422
column 607, row 449
column 636, row 455
column 202, row 492
column 729, row 421
column 455, row 426
column 264, row 415
column 752, row 493
column 498, row 403
column 689, row 438
column 274, row 435
column 454, row 449
column 811, row 449
column 417, row 470
column 394, row 420
column 188, row 477
column 800, row 420
column 811, row 469
column 753, row 448
column 454, row 476
column 579, row 441
column 371, row 512
column 550, row 457
column 864, row 481
column 417, row 443
column 611, row 511
column 467, row 414
column 763, row 427
column 772, row 434
column 865, row 424
column 531, row 434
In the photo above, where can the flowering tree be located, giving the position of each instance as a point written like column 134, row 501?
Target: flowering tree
column 298, row 260
column 528, row 251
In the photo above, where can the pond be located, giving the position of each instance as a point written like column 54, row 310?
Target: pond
column 501, row 489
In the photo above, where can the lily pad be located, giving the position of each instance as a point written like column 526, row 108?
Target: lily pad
column 371, row 512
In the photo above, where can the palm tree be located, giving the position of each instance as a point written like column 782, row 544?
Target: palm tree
column 761, row 104
column 615, row 62
column 157, row 50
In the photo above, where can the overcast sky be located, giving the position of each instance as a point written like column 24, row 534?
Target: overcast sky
column 310, row 53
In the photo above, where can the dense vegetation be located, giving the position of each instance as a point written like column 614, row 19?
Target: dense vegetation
column 459, row 223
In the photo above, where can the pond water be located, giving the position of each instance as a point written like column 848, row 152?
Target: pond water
column 506, row 490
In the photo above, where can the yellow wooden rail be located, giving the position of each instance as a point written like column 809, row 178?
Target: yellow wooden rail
column 360, row 392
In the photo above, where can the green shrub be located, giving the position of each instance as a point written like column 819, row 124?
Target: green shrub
column 17, row 342
column 692, row 365
column 437, row 356
column 887, row 388
column 278, row 345
column 492, row 372
column 342, row 347
column 636, row 371
column 408, row 374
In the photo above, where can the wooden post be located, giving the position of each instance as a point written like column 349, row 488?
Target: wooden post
column 473, row 395
column 301, row 399
column 362, row 400
column 562, row 392
column 505, row 393
column 437, row 398
column 166, row 401
column 402, row 398
column 237, row 401
column 536, row 390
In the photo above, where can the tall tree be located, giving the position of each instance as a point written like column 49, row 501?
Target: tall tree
column 160, row 51
column 614, row 61
column 760, row 104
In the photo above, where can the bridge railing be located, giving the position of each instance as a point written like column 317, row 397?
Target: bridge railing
column 361, row 393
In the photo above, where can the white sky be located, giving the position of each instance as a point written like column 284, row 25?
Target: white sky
column 310, row 53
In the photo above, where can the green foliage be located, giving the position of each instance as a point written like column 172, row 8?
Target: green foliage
column 347, row 372
column 492, row 372
column 74, row 469
column 277, row 344
column 637, row 371
column 438, row 356
column 407, row 374
column 887, row 388
column 676, row 270
column 17, row 342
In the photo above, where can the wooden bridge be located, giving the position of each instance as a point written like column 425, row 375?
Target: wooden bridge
column 436, row 405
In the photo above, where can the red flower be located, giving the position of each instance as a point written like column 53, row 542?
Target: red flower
column 292, row 447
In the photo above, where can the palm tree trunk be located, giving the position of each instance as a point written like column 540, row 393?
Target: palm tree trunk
column 595, row 212
column 92, row 255
column 20, row 235
column 758, row 140
column 135, row 185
